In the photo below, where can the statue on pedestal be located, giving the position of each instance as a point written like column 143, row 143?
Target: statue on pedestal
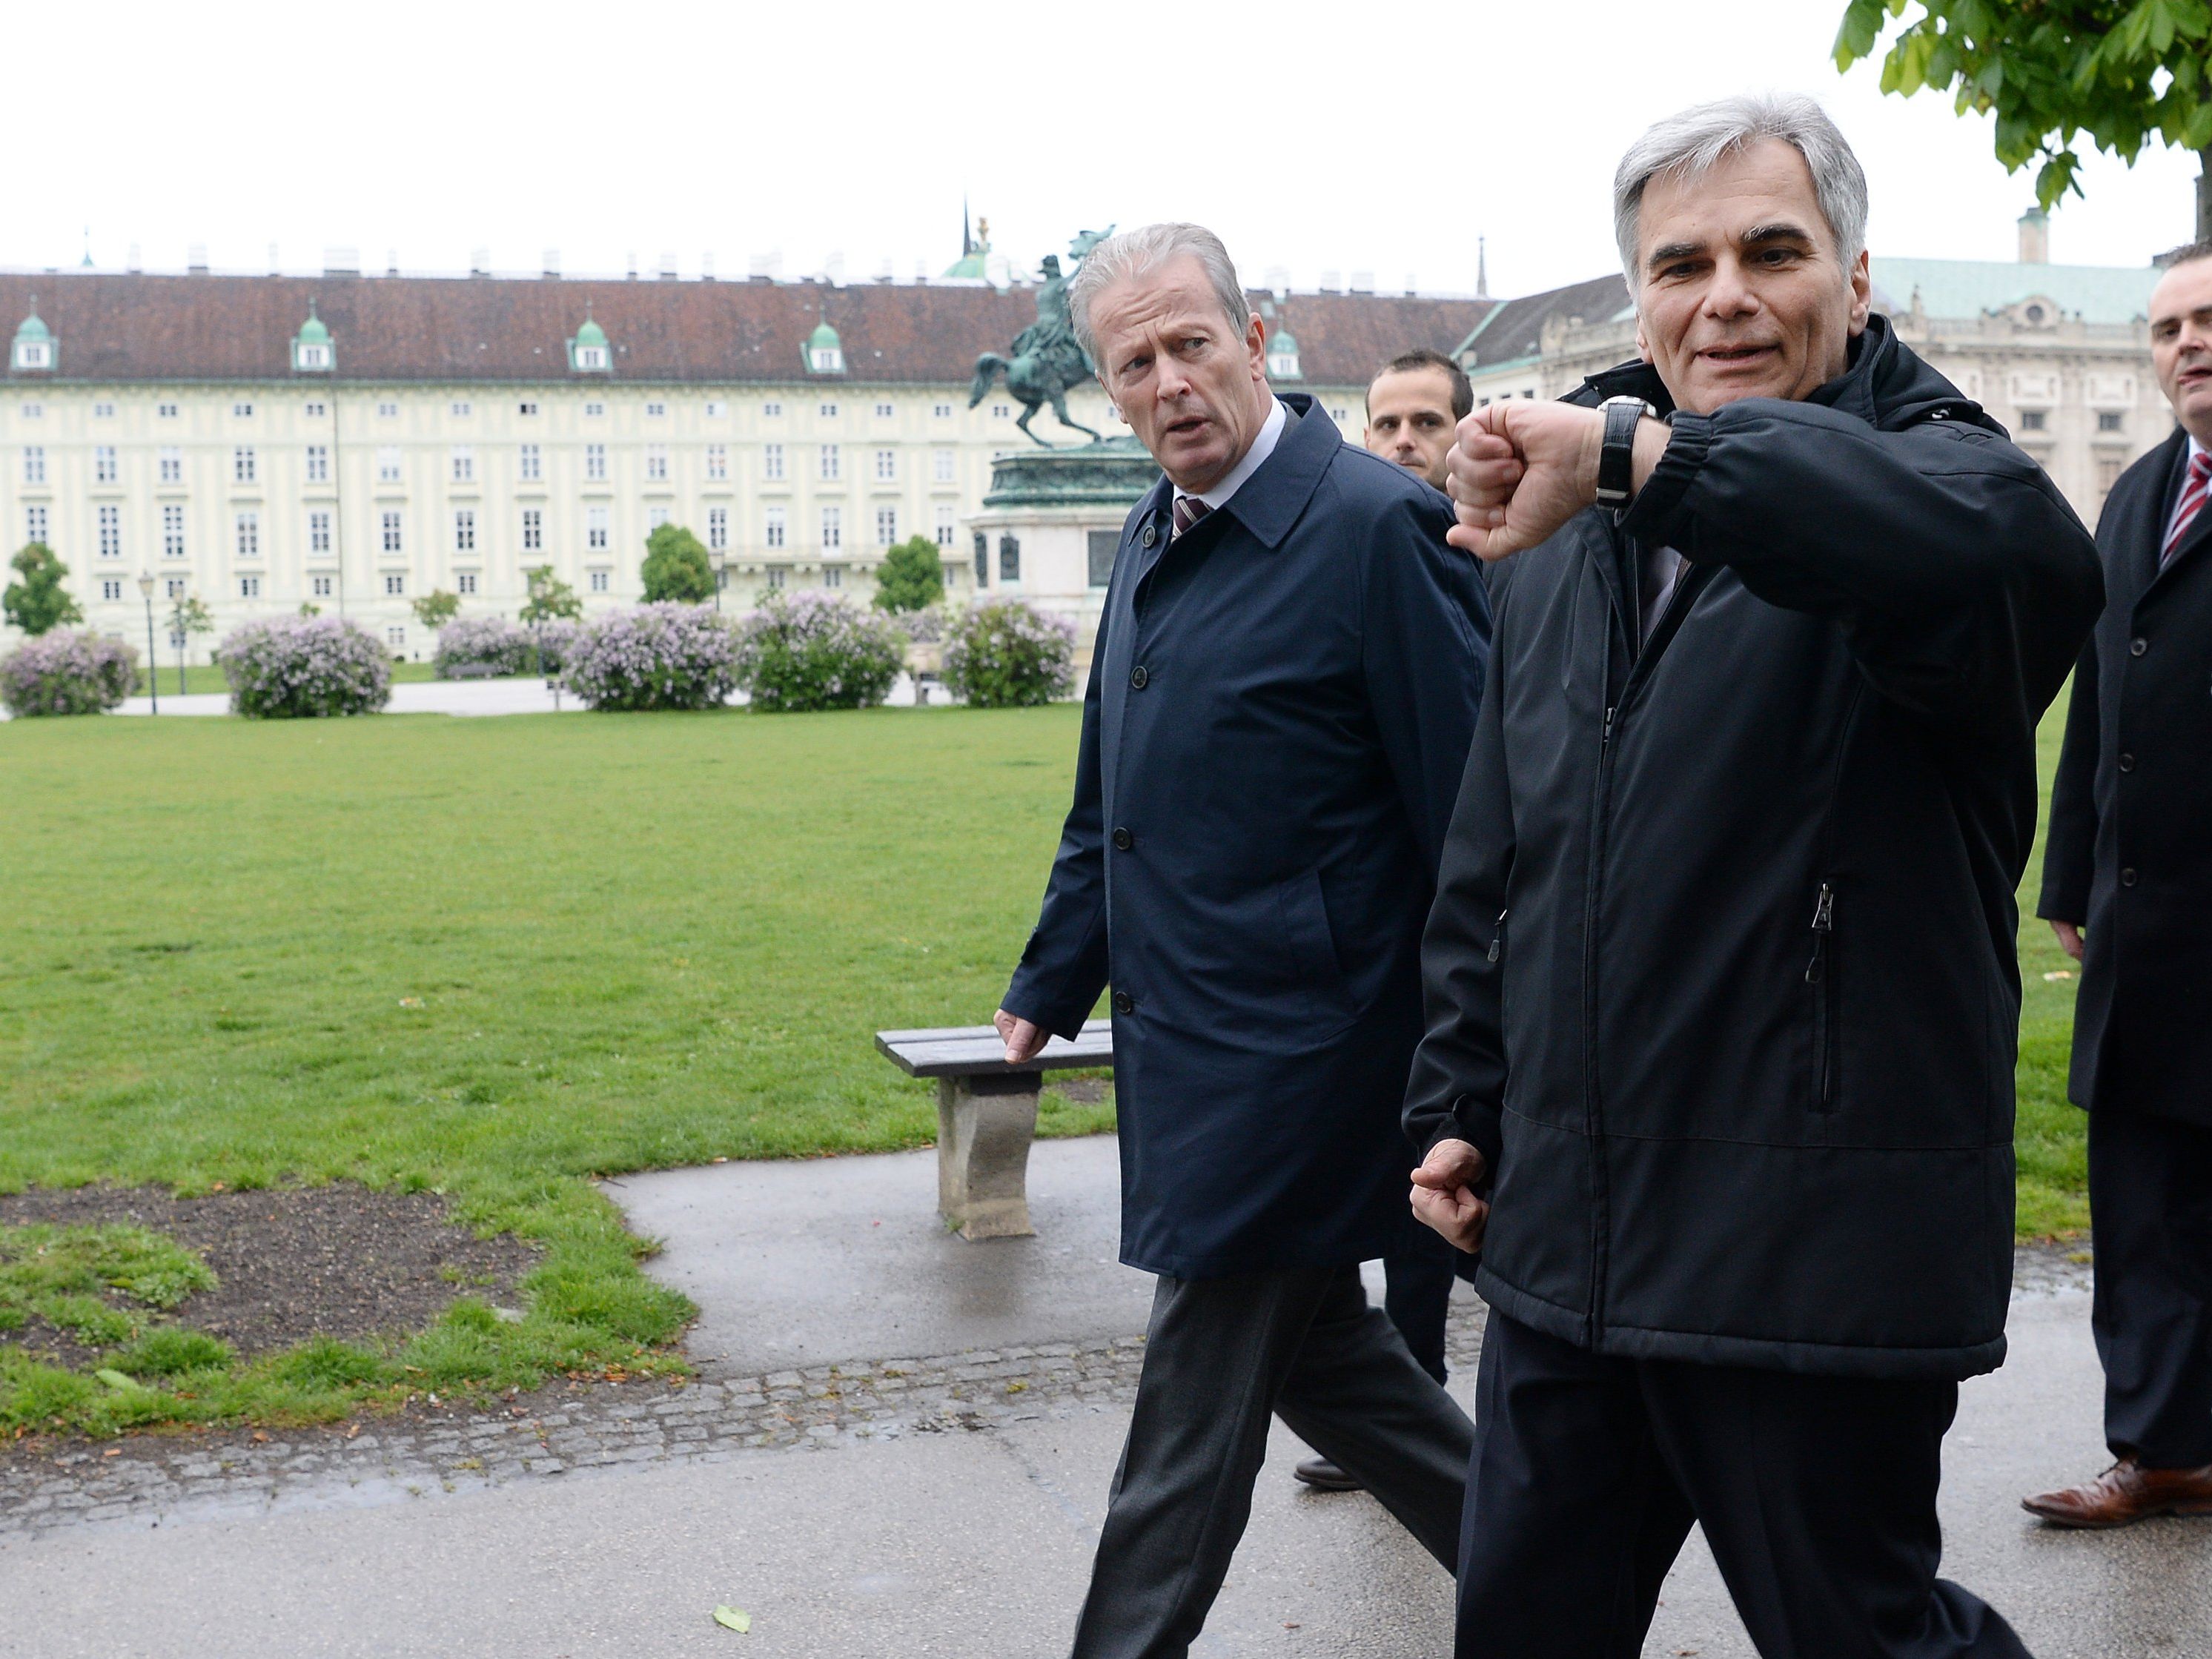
column 1046, row 361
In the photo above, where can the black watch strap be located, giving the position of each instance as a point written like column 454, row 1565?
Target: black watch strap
column 1616, row 460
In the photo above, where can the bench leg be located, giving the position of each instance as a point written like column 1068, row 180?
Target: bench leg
column 984, row 1127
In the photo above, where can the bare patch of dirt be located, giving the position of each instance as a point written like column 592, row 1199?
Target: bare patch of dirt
column 293, row 1262
column 1084, row 1091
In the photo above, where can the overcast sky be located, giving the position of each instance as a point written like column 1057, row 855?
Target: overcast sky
column 1344, row 137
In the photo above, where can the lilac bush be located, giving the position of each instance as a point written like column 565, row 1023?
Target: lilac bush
column 554, row 640
column 658, row 656
column 475, row 647
column 62, row 672
column 813, row 650
column 305, row 668
column 1003, row 654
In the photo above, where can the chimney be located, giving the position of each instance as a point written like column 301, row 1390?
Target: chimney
column 551, row 263
column 833, row 270
column 1412, row 287
column 1332, row 281
column 1278, row 279
column 134, row 263
column 275, row 269
column 884, row 270
column 667, row 267
column 479, row 262
column 2035, row 237
column 341, row 262
column 1363, row 281
column 632, row 273
column 391, row 262
column 921, row 272
column 707, row 266
column 766, row 267
column 195, row 259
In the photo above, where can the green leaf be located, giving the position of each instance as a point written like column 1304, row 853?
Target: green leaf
column 118, row 1380
column 736, row 1618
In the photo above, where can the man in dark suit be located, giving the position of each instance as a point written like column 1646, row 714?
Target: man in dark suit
column 1281, row 695
column 2127, row 886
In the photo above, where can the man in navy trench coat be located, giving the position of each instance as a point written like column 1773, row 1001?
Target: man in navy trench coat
column 1281, row 698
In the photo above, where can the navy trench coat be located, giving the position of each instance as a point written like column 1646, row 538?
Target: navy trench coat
column 1279, row 712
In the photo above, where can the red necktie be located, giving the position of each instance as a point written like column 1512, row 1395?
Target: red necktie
column 1188, row 510
column 2193, row 491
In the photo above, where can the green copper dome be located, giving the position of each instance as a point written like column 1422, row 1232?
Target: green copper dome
column 591, row 334
column 825, row 352
column 313, row 331
column 824, row 335
column 32, row 329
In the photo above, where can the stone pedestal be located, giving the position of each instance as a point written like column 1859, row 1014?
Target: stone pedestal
column 984, row 1127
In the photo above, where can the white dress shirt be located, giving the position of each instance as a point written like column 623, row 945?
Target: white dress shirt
column 1263, row 445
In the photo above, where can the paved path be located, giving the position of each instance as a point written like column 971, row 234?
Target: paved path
column 942, row 1505
column 463, row 697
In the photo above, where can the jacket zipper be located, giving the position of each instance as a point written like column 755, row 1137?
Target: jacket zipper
column 1817, row 974
column 1497, row 936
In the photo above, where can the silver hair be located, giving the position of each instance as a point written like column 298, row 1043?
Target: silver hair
column 1134, row 252
column 1691, row 143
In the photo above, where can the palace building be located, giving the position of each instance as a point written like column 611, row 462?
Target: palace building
column 354, row 442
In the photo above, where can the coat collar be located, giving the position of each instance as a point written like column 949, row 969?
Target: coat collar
column 1274, row 497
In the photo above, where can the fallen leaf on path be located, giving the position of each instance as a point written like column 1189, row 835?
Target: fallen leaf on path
column 2058, row 974
column 736, row 1618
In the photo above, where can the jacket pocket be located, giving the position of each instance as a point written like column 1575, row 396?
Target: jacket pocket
column 1821, row 984
column 1308, row 940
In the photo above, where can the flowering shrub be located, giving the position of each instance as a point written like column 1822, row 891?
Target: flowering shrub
column 658, row 656
column 1006, row 654
column 482, row 646
column 554, row 640
column 62, row 672
column 925, row 627
column 804, row 650
column 305, row 667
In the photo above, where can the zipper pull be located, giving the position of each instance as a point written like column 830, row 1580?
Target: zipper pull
column 1605, row 736
column 1824, row 923
column 1497, row 936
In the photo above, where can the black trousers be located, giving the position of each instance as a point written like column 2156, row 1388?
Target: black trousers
column 2150, row 1209
column 1220, row 1355
column 1817, row 1495
column 1417, row 1282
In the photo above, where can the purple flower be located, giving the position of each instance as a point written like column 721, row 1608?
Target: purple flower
column 1003, row 654
column 62, row 672
column 813, row 650
column 305, row 667
column 658, row 656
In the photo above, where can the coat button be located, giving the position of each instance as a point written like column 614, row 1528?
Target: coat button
column 2127, row 762
column 1124, row 1003
column 1123, row 840
column 1147, row 537
column 1139, row 678
column 2137, row 646
column 2127, row 878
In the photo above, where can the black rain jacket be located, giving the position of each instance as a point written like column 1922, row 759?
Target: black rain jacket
column 1720, row 975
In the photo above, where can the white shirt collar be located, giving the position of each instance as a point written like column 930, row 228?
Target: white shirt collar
column 1271, row 431
column 2195, row 449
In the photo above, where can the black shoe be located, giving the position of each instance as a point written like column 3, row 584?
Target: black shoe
column 1324, row 1476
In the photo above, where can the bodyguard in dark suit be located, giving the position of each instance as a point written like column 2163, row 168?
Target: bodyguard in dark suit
column 2127, row 885
column 1720, row 975
column 1281, row 695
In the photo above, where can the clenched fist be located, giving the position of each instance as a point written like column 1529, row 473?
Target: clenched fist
column 1443, row 1194
column 1520, row 470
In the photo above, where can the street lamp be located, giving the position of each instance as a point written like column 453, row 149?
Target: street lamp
column 153, row 672
column 719, row 559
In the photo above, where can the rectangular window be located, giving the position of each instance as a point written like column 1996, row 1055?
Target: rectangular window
column 318, row 533
column 600, row 582
column 242, row 469
column 943, row 411
column 527, row 407
column 941, row 466
column 832, row 463
column 461, row 409
column 717, row 409
column 172, row 466
column 775, row 532
column 533, row 529
column 945, row 531
column 531, row 463
column 775, row 576
column 595, row 461
column 464, row 530
column 466, row 581
column 386, row 412
column 593, row 410
column 717, row 528
column 656, row 463
column 110, row 531
column 833, row 527
column 2110, row 420
column 886, row 526
column 318, row 464
column 173, row 531
column 655, row 518
column 2108, row 474
column 249, row 588
column 111, row 589
column 772, row 462
column 243, row 411
column 319, row 586
column 595, row 528
column 103, row 411
column 886, row 465
column 249, row 535
column 884, row 411
column 34, row 464
column 718, row 460
column 165, row 411
column 34, row 523
column 394, row 542
column 396, row 637
column 465, row 461
column 1104, row 544
column 1009, row 559
column 316, row 411
column 833, row 576
column 655, row 409
column 395, row 585
column 2035, row 420
column 773, row 411
column 827, row 411
column 175, row 588
column 387, row 464
column 103, row 464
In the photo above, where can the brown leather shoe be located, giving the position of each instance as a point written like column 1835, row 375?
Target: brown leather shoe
column 2123, row 1494
column 1324, row 1476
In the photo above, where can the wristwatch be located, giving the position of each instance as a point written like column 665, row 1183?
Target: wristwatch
column 1616, row 460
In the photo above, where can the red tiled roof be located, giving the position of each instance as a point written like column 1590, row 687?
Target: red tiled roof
column 146, row 327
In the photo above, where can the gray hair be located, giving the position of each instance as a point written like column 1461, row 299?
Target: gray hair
column 1690, row 144
column 1134, row 252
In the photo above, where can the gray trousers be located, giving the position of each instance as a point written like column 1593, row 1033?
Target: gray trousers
column 1221, row 1354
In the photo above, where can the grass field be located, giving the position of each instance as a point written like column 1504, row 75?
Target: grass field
column 491, row 957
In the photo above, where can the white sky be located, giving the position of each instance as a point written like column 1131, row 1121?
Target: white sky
column 1346, row 137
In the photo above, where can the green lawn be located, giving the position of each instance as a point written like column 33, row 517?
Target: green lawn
column 491, row 957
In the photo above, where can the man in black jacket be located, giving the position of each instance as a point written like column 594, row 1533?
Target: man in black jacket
column 1281, row 697
column 1721, row 985
column 2127, row 871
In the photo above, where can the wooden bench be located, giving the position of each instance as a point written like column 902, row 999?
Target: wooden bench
column 986, row 1113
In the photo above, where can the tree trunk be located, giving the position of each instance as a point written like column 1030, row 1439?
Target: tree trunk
column 2204, row 195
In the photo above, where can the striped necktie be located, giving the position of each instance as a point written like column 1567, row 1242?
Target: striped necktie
column 2193, row 490
column 1188, row 510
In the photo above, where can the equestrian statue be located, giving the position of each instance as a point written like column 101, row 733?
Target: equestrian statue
column 1046, row 359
